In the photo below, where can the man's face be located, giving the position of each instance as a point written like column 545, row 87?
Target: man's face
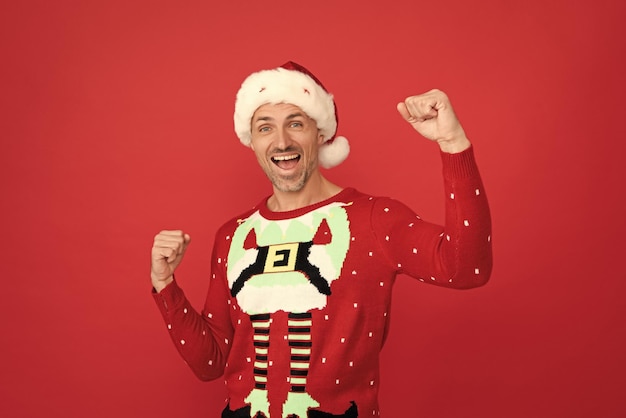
column 286, row 143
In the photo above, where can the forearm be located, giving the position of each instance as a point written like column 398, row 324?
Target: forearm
column 466, row 241
column 200, row 343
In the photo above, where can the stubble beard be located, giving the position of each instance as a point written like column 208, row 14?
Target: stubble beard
column 293, row 183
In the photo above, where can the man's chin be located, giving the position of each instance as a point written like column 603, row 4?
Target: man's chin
column 282, row 182
column 289, row 185
column 288, row 188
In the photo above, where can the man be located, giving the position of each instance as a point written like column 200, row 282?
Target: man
column 300, row 288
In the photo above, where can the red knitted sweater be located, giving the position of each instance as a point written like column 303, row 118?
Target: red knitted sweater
column 296, row 312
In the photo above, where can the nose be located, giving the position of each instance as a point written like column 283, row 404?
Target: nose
column 283, row 138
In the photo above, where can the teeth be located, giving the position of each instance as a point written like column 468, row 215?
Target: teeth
column 285, row 157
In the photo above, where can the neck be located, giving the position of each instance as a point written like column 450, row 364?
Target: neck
column 316, row 189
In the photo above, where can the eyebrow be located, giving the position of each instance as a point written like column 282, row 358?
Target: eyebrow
column 269, row 118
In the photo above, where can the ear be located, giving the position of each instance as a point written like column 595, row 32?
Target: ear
column 320, row 139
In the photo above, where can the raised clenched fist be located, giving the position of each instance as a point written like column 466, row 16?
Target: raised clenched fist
column 167, row 252
column 431, row 115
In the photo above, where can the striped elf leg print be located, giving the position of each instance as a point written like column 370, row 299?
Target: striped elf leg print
column 300, row 344
column 298, row 400
column 261, row 325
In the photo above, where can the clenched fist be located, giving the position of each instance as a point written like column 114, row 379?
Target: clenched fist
column 431, row 115
column 167, row 252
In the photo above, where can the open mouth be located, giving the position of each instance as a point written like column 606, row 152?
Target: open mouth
column 286, row 162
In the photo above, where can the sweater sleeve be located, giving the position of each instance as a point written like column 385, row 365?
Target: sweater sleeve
column 202, row 339
column 456, row 255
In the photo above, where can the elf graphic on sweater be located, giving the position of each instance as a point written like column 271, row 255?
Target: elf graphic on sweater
column 286, row 265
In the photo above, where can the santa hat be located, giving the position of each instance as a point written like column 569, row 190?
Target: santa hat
column 292, row 83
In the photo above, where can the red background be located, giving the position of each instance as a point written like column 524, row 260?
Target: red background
column 116, row 122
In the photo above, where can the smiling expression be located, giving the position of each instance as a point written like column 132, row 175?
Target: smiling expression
column 286, row 142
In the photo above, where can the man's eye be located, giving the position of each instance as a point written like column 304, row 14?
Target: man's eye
column 296, row 124
column 264, row 129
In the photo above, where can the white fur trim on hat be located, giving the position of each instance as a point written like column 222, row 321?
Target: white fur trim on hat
column 281, row 85
column 334, row 152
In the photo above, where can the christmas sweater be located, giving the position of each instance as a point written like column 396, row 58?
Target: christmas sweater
column 298, row 303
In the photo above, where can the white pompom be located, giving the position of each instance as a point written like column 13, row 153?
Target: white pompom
column 333, row 153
